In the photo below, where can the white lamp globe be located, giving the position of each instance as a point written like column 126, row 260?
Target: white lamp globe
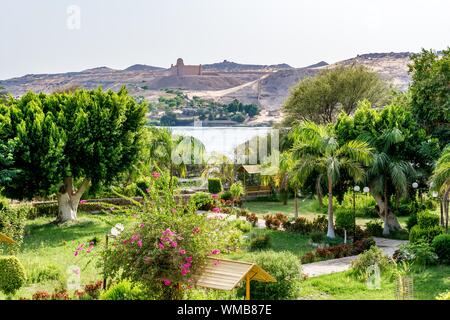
column 435, row 194
column 415, row 185
column 366, row 189
column 357, row 188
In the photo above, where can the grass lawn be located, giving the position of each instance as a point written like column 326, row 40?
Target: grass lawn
column 280, row 241
column 340, row 286
column 308, row 208
column 46, row 244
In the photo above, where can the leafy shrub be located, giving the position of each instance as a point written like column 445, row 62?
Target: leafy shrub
column 93, row 289
column 214, row 185
column 285, row 267
column 274, row 222
column 41, row 295
column 41, row 274
column 300, row 225
column 210, row 294
column 444, row 296
column 226, row 195
column 308, row 257
column 427, row 219
column 168, row 246
column 242, row 225
column 427, row 234
column 373, row 256
column 124, row 290
column 374, row 228
column 252, row 218
column 320, row 223
column 259, row 241
column 142, row 186
column 345, row 219
column 12, row 275
column 362, row 245
column 237, row 190
column 441, row 245
column 202, row 201
column 13, row 220
column 412, row 221
column 60, row 295
column 317, row 236
column 420, row 253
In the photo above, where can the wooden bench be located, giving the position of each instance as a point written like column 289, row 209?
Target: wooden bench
column 255, row 191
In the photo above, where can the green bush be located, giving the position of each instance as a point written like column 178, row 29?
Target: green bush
column 420, row 254
column 124, row 290
column 285, row 267
column 242, row 225
column 142, row 186
column 427, row 219
column 214, row 185
column 320, row 223
column 202, row 201
column 375, row 228
column 210, row 294
column 373, row 256
column 12, row 275
column 317, row 236
column 13, row 220
column 412, row 221
column 259, row 241
column 427, row 234
column 300, row 225
column 226, row 195
column 345, row 219
column 441, row 245
column 41, row 274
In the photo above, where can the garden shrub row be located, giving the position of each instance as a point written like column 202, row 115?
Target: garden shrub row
column 427, row 227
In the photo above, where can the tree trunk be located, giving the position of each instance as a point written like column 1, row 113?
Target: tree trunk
column 296, row 205
column 391, row 222
column 319, row 191
column 330, row 232
column 68, row 200
column 445, row 203
column 386, row 229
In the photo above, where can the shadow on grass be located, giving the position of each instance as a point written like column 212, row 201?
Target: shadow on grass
column 45, row 233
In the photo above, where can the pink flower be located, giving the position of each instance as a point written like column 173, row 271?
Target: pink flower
column 187, row 265
column 156, row 174
column 174, row 244
column 161, row 245
column 184, row 272
column 125, row 241
column 166, row 282
column 216, row 210
column 83, row 201
column 215, row 196
column 215, row 251
column 134, row 238
column 147, row 190
column 188, row 259
column 168, row 232
column 75, row 253
column 141, row 225
column 182, row 251
column 139, row 243
column 196, row 230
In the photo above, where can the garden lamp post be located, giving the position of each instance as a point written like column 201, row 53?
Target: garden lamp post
column 355, row 189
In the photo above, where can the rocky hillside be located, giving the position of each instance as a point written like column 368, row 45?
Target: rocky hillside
column 266, row 85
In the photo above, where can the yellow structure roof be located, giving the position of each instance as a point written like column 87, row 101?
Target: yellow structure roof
column 226, row 274
column 5, row 239
column 256, row 168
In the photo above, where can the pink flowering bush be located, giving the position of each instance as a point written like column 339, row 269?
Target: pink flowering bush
column 167, row 246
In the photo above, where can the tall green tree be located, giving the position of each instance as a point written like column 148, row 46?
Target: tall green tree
column 317, row 150
column 321, row 98
column 441, row 180
column 403, row 153
column 86, row 137
column 430, row 92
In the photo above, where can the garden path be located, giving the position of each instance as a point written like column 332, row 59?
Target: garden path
column 338, row 265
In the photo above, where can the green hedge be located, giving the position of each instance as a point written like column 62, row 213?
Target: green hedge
column 417, row 233
column 285, row 267
column 13, row 220
column 12, row 275
column 214, row 185
column 441, row 245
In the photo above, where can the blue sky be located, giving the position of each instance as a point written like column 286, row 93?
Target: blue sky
column 35, row 37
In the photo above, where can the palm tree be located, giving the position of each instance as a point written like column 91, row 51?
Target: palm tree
column 388, row 174
column 441, row 180
column 220, row 166
column 316, row 149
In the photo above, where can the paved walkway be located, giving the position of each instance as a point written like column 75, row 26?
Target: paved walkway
column 338, row 265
